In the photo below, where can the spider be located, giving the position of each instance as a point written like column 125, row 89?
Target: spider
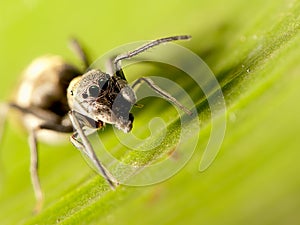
column 56, row 97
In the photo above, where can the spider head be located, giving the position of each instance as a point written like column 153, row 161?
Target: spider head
column 100, row 97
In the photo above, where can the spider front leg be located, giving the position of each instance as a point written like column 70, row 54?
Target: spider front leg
column 117, row 60
column 116, row 63
column 87, row 149
column 161, row 92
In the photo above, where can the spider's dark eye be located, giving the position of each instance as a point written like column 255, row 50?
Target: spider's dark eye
column 103, row 83
column 84, row 95
column 94, row 91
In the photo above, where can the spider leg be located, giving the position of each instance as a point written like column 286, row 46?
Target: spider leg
column 88, row 150
column 38, row 112
column 3, row 116
column 78, row 144
column 32, row 139
column 33, row 142
column 161, row 92
column 143, row 48
column 79, row 51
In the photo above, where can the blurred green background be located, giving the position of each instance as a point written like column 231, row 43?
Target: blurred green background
column 253, row 49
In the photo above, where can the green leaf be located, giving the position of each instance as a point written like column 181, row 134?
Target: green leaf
column 253, row 49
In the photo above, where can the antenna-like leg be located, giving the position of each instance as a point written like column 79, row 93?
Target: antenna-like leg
column 143, row 48
column 161, row 92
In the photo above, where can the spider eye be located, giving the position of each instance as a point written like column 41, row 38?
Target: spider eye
column 94, row 91
column 84, row 95
column 103, row 82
